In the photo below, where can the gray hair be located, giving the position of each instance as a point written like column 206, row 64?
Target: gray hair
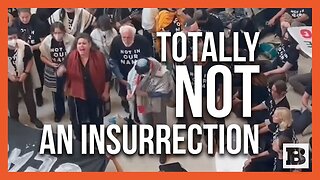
column 127, row 28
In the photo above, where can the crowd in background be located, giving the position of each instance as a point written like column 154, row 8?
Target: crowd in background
column 79, row 54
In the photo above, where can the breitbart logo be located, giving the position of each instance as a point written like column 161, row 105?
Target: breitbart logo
column 295, row 156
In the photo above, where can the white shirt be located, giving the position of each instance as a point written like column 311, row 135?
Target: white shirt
column 148, row 17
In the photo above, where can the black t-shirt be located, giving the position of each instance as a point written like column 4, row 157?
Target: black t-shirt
column 289, row 133
column 214, row 24
column 44, row 13
column 127, row 56
column 57, row 51
column 12, row 57
column 278, row 166
column 274, row 129
column 70, row 18
column 99, row 12
column 174, row 26
column 116, row 14
column 31, row 32
column 90, row 91
column 298, row 12
column 272, row 106
column 288, row 53
column 258, row 94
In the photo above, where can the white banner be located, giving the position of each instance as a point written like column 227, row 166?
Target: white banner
column 303, row 35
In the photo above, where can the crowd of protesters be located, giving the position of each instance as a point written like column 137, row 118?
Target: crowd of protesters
column 79, row 54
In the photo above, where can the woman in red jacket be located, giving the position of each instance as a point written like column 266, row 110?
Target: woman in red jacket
column 87, row 83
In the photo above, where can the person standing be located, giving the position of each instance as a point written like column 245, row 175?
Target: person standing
column 76, row 20
column 150, row 91
column 87, row 83
column 103, row 35
column 54, row 49
column 22, row 77
column 125, row 50
column 32, row 31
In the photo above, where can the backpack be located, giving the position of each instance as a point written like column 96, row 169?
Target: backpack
column 269, row 50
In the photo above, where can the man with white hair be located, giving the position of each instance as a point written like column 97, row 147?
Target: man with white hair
column 126, row 48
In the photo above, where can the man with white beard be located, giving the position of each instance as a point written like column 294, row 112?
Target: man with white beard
column 126, row 48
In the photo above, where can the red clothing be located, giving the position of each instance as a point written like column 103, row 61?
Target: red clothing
column 75, row 82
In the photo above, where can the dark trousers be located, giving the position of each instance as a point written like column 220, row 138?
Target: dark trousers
column 300, row 81
column 84, row 112
column 58, row 99
column 265, row 15
column 301, row 120
column 26, row 91
column 40, row 67
column 262, row 17
column 267, row 65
